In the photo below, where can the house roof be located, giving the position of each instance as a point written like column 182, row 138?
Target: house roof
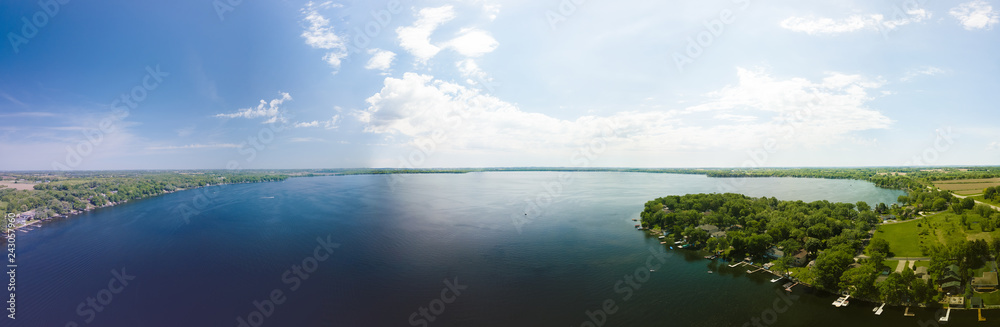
column 920, row 271
column 709, row 228
column 989, row 278
column 951, row 284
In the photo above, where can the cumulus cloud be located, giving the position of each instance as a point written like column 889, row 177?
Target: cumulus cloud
column 473, row 42
column 815, row 25
column 319, row 34
column 976, row 15
column 416, row 39
column 380, row 60
column 418, row 107
column 267, row 109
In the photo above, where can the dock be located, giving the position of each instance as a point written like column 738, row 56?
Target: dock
column 907, row 313
column 842, row 301
column 981, row 318
column 878, row 309
column 788, row 288
column 758, row 269
column 946, row 316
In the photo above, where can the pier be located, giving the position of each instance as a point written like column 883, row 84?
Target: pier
column 946, row 316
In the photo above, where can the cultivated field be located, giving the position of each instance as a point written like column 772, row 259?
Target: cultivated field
column 967, row 186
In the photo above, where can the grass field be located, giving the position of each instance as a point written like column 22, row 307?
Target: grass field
column 967, row 186
column 910, row 239
column 980, row 198
column 903, row 238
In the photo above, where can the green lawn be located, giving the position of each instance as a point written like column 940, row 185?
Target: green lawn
column 992, row 298
column 907, row 239
column 980, row 198
column 923, row 264
column 903, row 239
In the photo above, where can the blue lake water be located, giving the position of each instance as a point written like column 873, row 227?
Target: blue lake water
column 457, row 245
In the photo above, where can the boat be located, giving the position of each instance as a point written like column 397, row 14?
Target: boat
column 709, row 271
column 776, row 279
column 662, row 237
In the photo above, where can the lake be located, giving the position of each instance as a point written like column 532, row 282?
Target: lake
column 476, row 249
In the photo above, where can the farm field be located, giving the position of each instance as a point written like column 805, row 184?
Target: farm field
column 967, row 186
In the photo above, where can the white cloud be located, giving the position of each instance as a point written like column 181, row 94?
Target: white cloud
column 922, row 71
column 821, row 25
column 309, row 124
column 328, row 124
column 473, row 74
column 418, row 107
column 469, row 42
column 269, row 109
column 194, row 146
column 416, row 39
column 320, row 35
column 381, row 59
column 473, row 43
column 993, row 146
column 975, row 15
column 305, row 139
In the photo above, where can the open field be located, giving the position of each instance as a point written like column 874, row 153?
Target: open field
column 967, row 186
column 903, row 238
column 18, row 186
column 909, row 239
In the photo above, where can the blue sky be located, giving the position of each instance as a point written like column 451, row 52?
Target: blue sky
column 476, row 83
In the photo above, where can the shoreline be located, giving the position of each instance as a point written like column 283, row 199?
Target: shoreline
column 760, row 268
column 72, row 213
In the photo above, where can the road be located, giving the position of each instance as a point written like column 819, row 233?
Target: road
column 977, row 201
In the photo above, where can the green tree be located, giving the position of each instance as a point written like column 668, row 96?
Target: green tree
column 892, row 289
column 863, row 206
column 879, row 245
column 830, row 265
column 860, row 281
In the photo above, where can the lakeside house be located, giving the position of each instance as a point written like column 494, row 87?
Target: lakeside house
column 799, row 258
column 986, row 283
column 775, row 253
column 921, row 272
column 712, row 230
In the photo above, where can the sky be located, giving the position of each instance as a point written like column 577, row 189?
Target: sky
column 231, row 84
